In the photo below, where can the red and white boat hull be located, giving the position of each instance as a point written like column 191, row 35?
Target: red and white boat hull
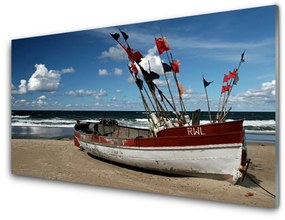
column 221, row 161
column 214, row 150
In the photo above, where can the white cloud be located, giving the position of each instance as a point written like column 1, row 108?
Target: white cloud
column 115, row 53
column 152, row 61
column 260, row 98
column 118, row 72
column 21, row 102
column 161, row 82
column 118, row 91
column 103, row 72
column 84, row 92
column 68, row 70
column 44, row 79
column 188, row 94
column 40, row 101
column 22, row 87
column 41, row 80
column 130, row 79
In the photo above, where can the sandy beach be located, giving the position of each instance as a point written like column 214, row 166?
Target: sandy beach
column 61, row 160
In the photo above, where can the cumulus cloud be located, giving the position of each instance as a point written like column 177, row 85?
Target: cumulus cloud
column 41, row 80
column 152, row 61
column 103, row 72
column 161, row 82
column 263, row 96
column 188, row 94
column 84, row 92
column 118, row 72
column 40, row 101
column 115, row 53
column 68, row 70
column 44, row 79
column 21, row 102
column 22, row 87
column 130, row 79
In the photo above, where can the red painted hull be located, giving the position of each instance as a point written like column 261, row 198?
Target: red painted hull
column 209, row 134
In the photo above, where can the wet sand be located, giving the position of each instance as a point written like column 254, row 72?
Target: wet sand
column 61, row 160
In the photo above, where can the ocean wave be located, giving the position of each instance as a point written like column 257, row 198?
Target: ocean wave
column 20, row 116
column 43, row 122
column 265, row 126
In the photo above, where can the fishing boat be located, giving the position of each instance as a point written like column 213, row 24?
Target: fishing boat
column 172, row 144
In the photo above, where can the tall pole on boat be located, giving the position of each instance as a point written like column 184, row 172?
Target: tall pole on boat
column 177, row 84
column 233, row 82
column 176, row 81
column 166, row 79
column 208, row 104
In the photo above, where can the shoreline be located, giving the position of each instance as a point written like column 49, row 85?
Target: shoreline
column 60, row 160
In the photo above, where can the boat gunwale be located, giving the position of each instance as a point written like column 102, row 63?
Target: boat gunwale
column 164, row 148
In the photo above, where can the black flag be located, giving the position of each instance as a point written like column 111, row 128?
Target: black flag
column 139, row 83
column 125, row 36
column 154, row 75
column 115, row 36
column 166, row 67
column 242, row 57
column 206, row 83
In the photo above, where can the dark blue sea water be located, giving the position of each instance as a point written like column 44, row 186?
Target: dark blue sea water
column 259, row 126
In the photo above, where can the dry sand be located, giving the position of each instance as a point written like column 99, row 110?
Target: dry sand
column 61, row 160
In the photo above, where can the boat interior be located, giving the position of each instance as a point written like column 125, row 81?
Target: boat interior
column 111, row 128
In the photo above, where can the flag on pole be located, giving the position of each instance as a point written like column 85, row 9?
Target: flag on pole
column 134, row 68
column 242, row 57
column 133, row 56
column 175, row 66
column 154, row 75
column 115, row 36
column 137, row 56
column 232, row 74
column 236, row 79
column 166, row 67
column 125, row 36
column 226, row 78
column 162, row 44
column 206, row 83
column 181, row 89
column 226, row 88
column 139, row 83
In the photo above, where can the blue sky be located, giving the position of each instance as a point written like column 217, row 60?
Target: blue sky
column 86, row 70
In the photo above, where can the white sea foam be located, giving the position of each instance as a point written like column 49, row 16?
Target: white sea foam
column 251, row 126
column 20, row 116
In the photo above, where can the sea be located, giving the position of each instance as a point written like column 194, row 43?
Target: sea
column 259, row 126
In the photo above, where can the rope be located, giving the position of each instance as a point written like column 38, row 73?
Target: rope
column 259, row 185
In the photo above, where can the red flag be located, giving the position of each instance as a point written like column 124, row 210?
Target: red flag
column 181, row 89
column 162, row 44
column 175, row 66
column 233, row 74
column 226, row 78
column 226, row 88
column 134, row 68
column 137, row 56
column 133, row 56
